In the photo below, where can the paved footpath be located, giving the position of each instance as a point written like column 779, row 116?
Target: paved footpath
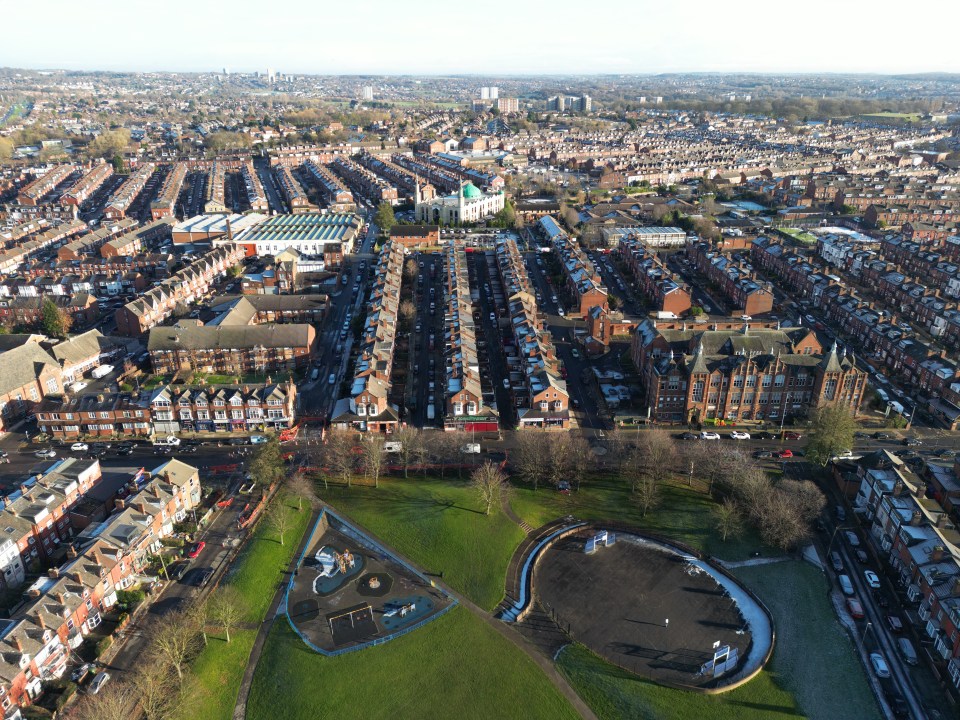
column 560, row 682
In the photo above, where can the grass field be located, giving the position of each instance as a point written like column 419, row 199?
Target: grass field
column 216, row 673
column 454, row 667
column 614, row 694
column 440, row 526
column 684, row 513
column 813, row 655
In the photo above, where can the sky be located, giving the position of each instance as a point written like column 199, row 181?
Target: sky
column 483, row 37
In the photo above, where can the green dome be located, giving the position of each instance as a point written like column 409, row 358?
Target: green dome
column 470, row 191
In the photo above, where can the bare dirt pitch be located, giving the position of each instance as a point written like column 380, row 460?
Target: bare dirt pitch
column 640, row 606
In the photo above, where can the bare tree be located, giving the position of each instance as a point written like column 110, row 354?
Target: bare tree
column 114, row 702
column 529, row 457
column 339, row 457
column 728, row 519
column 490, row 484
column 657, row 454
column 446, row 447
column 789, row 509
column 374, row 457
column 278, row 518
column 226, row 609
column 197, row 613
column 559, row 451
column 646, row 494
column 620, row 443
column 580, row 458
column 422, row 448
column 301, row 486
column 409, row 439
column 173, row 641
column 155, row 690
column 407, row 313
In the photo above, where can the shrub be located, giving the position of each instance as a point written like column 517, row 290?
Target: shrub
column 130, row 598
column 103, row 644
column 69, row 690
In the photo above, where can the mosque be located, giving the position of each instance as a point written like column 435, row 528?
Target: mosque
column 468, row 205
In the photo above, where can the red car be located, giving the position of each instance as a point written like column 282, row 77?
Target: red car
column 196, row 549
column 785, row 453
column 855, row 608
column 791, row 435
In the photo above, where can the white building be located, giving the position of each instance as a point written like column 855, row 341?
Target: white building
column 467, row 205
column 367, row 92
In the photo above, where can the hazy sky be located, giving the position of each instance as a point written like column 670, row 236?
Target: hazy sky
column 430, row 37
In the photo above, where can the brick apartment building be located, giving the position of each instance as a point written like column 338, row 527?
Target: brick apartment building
column 740, row 373
column 653, row 278
column 415, row 236
column 28, row 373
column 735, row 279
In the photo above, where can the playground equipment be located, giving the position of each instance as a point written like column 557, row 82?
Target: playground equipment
column 402, row 610
column 725, row 658
column 331, row 562
column 601, row 539
column 373, row 583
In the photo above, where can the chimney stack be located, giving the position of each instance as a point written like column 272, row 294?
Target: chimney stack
column 77, row 577
column 40, row 622
column 61, row 598
column 18, row 642
column 916, row 518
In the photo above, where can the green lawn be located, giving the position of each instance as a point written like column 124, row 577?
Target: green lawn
column 440, row 526
column 454, row 667
column 813, row 655
column 684, row 513
column 614, row 694
column 216, row 673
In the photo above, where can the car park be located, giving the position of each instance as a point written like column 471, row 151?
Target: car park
column 872, row 580
column 880, row 667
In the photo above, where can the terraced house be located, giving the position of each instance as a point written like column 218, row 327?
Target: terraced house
column 367, row 405
column 653, row 278
column 183, row 288
column 223, row 408
column 123, row 197
column 735, row 279
column 583, row 283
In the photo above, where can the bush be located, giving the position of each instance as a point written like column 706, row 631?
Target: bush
column 130, row 598
column 103, row 644
column 69, row 690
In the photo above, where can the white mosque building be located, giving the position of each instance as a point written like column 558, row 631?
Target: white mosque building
column 467, row 205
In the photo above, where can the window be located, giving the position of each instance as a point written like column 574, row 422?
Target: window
column 52, row 386
column 34, row 395
column 778, row 382
column 738, row 381
column 767, row 381
column 751, row 380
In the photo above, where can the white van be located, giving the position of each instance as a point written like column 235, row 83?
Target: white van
column 845, row 584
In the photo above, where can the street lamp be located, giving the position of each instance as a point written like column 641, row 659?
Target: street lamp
column 838, row 527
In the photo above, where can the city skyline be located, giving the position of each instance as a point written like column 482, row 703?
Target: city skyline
column 673, row 39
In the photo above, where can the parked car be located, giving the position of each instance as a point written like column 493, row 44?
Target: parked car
column 896, row 625
column 125, row 450
column 196, row 549
column 783, row 454
column 881, row 436
column 81, row 672
column 707, row 435
column 762, row 454
column 912, row 442
column 688, row 436
column 872, row 580
column 845, row 584
column 506, row 384
column 852, row 538
column 855, row 608
column 98, row 682
column 861, row 556
column 79, row 447
column 836, row 561
column 739, row 435
column 46, row 453
column 332, row 380
column 907, row 651
column 766, row 436
column 880, row 667
column 791, row 435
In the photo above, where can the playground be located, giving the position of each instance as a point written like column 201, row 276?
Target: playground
column 347, row 592
column 651, row 608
